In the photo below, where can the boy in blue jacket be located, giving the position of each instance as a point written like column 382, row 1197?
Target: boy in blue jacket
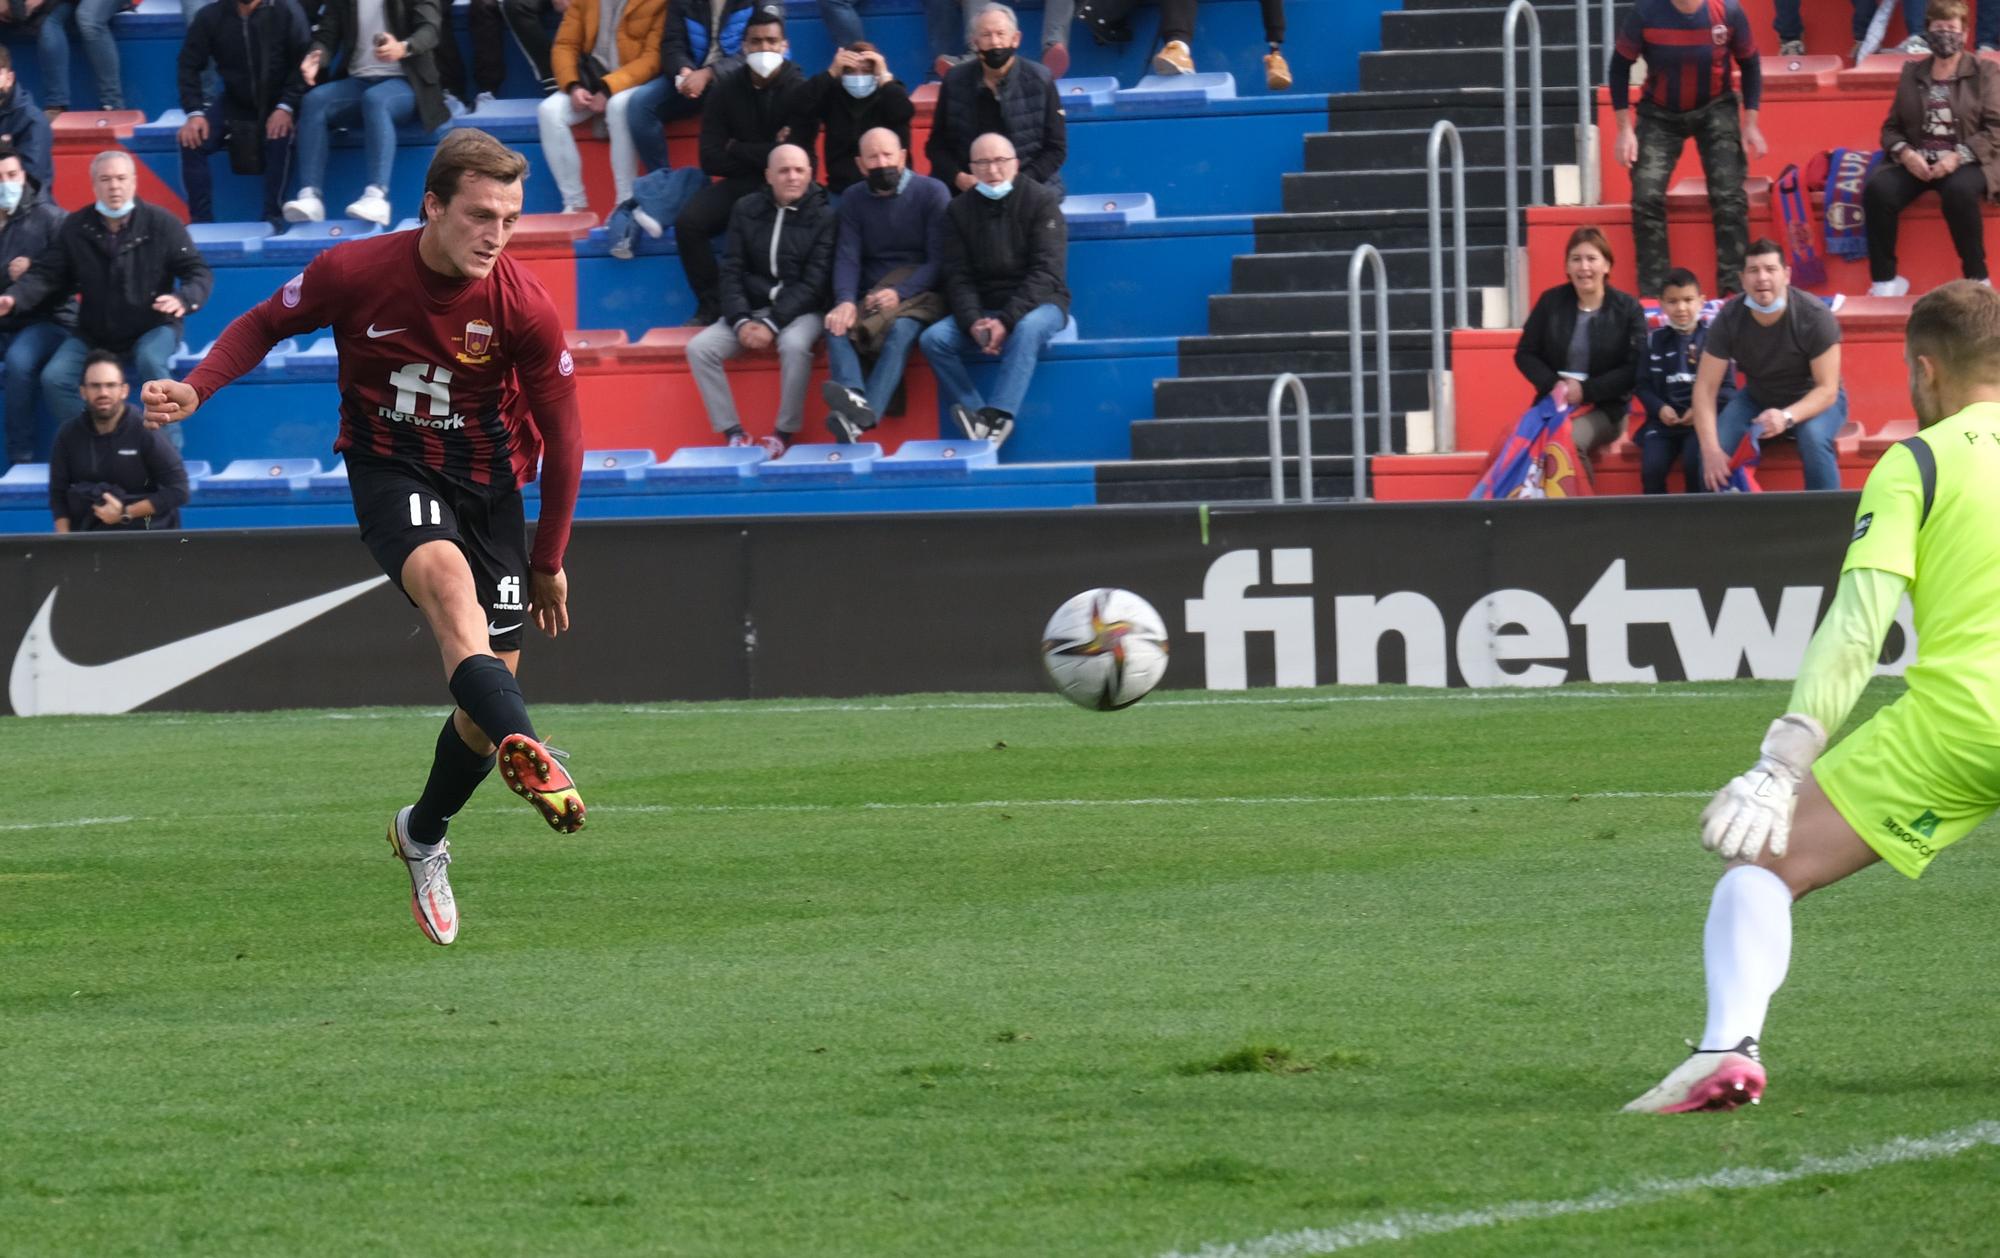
column 1666, row 386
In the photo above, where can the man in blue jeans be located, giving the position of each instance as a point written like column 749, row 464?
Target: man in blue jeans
column 1787, row 344
column 699, row 41
column 1791, row 27
column 136, row 272
column 885, row 278
column 1005, row 256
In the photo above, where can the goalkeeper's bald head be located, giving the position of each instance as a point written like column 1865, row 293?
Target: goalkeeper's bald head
column 1952, row 343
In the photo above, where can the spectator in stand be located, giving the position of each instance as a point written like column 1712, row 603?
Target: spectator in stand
column 1942, row 135
column 255, row 49
column 1787, row 344
column 1790, row 26
column 1583, row 344
column 855, row 95
column 701, row 40
column 108, row 469
column 1005, row 255
column 23, row 127
column 885, row 278
column 1666, row 387
column 93, row 27
column 774, row 283
column 1001, row 94
column 605, row 52
column 381, row 70
column 752, row 109
column 1689, row 94
column 1177, row 36
column 949, row 22
column 29, row 335
column 489, row 51
column 124, row 259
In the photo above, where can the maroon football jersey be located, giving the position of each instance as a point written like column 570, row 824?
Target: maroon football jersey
column 468, row 378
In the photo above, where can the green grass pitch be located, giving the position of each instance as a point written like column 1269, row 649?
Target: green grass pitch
column 959, row 975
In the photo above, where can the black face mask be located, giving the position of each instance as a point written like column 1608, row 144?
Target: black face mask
column 884, row 178
column 996, row 57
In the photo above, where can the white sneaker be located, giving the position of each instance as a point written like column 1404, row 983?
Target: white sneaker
column 1718, row 1079
column 373, row 207
column 431, row 901
column 482, row 100
column 1897, row 287
column 1915, row 46
column 305, row 208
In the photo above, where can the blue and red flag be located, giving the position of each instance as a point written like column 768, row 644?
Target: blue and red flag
column 1538, row 459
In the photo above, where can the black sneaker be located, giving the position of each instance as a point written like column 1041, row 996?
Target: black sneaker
column 848, row 416
column 999, row 426
column 972, row 425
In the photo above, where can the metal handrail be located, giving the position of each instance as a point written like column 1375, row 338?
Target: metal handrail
column 1275, row 408
column 1444, row 410
column 1516, row 274
column 1589, row 177
column 1371, row 256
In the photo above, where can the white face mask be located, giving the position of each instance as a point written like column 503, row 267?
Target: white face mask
column 764, row 64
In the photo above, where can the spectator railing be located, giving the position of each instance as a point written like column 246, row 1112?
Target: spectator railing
column 1444, row 412
column 1516, row 265
column 1371, row 257
column 1590, row 175
column 1290, row 383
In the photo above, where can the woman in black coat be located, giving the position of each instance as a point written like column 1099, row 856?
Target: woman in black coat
column 1584, row 343
column 855, row 95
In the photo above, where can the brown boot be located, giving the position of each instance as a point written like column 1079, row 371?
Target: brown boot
column 1277, row 74
column 1173, row 59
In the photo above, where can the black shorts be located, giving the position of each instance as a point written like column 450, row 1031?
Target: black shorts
column 400, row 506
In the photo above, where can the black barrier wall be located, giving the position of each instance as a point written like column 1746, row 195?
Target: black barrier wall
column 1526, row 593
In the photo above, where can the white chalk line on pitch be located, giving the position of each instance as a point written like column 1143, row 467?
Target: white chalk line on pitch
column 68, row 824
column 1249, row 801
column 1397, row 1227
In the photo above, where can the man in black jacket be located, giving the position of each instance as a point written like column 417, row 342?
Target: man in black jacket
column 1005, row 255
column 123, row 258
column 751, row 110
column 788, row 223
column 27, row 336
column 108, row 470
column 1000, row 93
column 256, row 46
column 22, row 123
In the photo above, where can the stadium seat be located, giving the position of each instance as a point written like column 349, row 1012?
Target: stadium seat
column 304, row 241
column 261, row 478
column 25, row 483
column 1156, row 90
column 185, row 360
column 332, row 480
column 706, row 468
column 609, row 466
column 826, row 464
column 1105, row 214
column 1083, row 98
column 228, row 240
column 936, row 460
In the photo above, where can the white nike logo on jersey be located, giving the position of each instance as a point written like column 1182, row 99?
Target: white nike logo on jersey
column 47, row 683
column 496, row 630
column 374, row 332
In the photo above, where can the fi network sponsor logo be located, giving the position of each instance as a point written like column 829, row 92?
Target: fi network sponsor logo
column 1507, row 637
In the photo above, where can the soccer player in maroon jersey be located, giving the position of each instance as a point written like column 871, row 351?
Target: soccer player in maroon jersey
column 454, row 378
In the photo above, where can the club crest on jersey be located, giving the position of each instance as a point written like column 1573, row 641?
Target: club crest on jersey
column 478, row 339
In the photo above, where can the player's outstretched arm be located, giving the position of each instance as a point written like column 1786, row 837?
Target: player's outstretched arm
column 167, row 401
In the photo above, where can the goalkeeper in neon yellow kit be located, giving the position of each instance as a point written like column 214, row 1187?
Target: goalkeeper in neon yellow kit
column 1919, row 774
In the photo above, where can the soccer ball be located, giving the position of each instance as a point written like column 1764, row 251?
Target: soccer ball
column 1105, row 649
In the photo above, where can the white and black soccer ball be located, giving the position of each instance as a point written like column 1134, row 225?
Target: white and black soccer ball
column 1105, row 649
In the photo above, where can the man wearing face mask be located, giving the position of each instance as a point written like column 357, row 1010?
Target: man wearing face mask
column 1788, row 345
column 1005, row 257
column 885, row 278
column 23, row 126
column 998, row 93
column 124, row 259
column 854, row 95
column 751, row 109
column 27, row 336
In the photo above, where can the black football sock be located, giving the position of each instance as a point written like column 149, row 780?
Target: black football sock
column 456, row 772
column 486, row 690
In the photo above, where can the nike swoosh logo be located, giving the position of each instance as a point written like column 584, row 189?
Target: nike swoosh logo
column 44, row 682
column 497, row 630
column 374, row 331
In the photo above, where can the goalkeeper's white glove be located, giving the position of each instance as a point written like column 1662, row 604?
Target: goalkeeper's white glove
column 1754, row 811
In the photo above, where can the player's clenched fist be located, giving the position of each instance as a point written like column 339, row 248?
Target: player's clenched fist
column 167, row 401
column 1754, row 812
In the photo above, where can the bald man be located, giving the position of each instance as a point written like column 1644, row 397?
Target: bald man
column 775, row 270
column 885, row 280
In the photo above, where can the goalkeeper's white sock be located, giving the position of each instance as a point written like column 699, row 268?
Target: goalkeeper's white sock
column 1746, row 949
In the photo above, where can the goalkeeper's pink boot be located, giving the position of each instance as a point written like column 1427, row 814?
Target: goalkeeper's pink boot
column 1716, row 1079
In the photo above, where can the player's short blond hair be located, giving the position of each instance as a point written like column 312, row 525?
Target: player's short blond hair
column 468, row 150
column 1957, row 326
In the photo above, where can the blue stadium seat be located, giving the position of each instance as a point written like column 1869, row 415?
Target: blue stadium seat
column 316, row 361
column 1179, row 89
column 25, row 483
column 509, row 121
column 601, row 466
column 261, row 478
column 332, row 480
column 1083, row 97
column 936, row 461
column 197, row 469
column 706, row 468
column 228, row 240
column 822, row 463
column 185, row 359
column 304, row 241
column 1106, row 214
